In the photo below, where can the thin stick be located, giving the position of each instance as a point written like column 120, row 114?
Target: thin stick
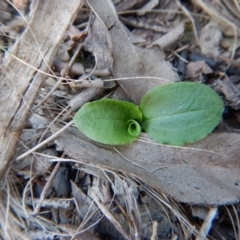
column 127, row 12
column 52, row 122
column 154, row 230
column 44, row 142
column 45, row 189
column 207, row 224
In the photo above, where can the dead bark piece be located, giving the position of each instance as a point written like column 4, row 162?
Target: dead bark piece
column 19, row 83
column 84, row 97
column 209, row 176
column 170, row 38
column 130, row 61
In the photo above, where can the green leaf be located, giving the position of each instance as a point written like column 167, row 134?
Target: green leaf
column 180, row 113
column 109, row 121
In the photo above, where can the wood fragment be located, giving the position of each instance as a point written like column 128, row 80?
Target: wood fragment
column 167, row 40
column 19, row 83
column 96, row 83
column 133, row 211
column 53, row 202
column 207, row 224
column 154, row 230
column 80, row 99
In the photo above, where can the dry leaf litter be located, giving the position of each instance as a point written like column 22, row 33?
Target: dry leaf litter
column 72, row 188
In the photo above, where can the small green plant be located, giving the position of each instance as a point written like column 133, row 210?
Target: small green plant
column 175, row 114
